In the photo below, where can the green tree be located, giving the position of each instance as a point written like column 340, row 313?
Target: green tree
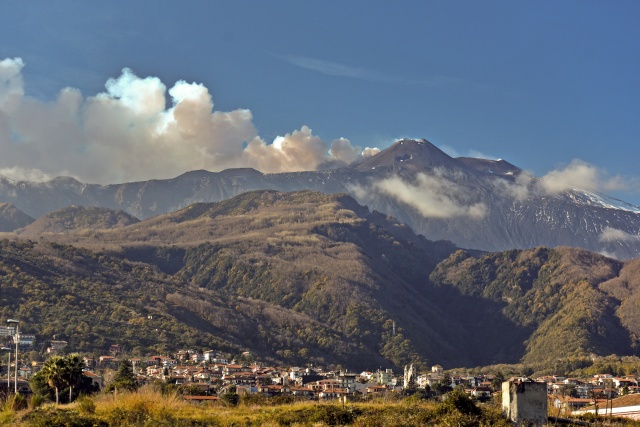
column 444, row 385
column 124, row 378
column 190, row 390
column 34, row 356
column 54, row 373
column 303, row 353
column 568, row 390
column 40, row 387
column 497, row 381
column 230, row 398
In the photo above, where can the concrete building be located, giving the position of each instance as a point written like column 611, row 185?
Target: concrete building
column 7, row 331
column 437, row 369
column 384, row 377
column 524, row 402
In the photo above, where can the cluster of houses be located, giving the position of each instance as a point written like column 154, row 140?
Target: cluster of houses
column 205, row 375
column 574, row 394
column 210, row 373
column 598, row 385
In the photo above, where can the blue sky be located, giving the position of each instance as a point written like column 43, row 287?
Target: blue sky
column 539, row 84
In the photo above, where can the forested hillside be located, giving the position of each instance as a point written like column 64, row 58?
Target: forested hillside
column 300, row 276
column 75, row 218
column 308, row 277
column 565, row 297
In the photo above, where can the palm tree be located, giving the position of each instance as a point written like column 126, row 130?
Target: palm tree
column 54, row 372
column 73, row 372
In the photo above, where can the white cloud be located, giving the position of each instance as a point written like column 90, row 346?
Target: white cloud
column 127, row 133
column 332, row 68
column 480, row 155
column 608, row 254
column 452, row 152
column 580, row 175
column 10, row 79
column 433, row 196
column 342, row 70
column 610, row 234
column 144, row 97
column 20, row 174
column 577, row 175
column 520, row 188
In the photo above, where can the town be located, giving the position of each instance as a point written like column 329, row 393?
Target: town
column 209, row 376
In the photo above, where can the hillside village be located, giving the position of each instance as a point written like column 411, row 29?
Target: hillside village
column 210, row 373
column 206, row 376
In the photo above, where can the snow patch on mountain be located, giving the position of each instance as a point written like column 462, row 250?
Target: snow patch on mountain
column 602, row 200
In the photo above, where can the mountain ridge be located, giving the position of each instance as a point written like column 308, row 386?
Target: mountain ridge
column 483, row 204
column 73, row 218
column 12, row 218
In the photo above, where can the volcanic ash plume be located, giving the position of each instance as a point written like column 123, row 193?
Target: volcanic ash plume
column 128, row 133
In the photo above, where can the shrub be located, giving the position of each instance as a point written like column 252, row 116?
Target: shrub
column 135, row 415
column 323, row 414
column 230, row 399
column 458, row 401
column 16, row 402
column 54, row 417
column 36, row 401
column 86, row 405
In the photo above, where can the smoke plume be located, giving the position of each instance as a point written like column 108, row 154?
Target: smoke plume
column 128, row 133
column 370, row 151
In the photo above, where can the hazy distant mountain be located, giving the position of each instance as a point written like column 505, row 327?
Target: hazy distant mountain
column 12, row 218
column 476, row 203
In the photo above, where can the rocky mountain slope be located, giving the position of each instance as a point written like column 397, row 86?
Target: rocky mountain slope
column 476, row 203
